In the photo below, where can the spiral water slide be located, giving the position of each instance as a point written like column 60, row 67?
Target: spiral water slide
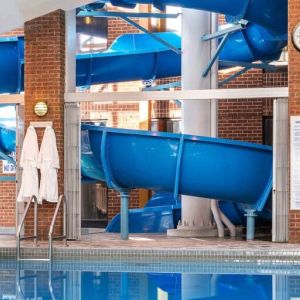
column 236, row 172
column 262, row 39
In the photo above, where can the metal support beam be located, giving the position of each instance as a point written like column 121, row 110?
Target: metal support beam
column 215, row 55
column 155, row 37
column 233, row 76
column 162, row 87
column 223, row 32
column 117, row 14
column 126, row 17
column 280, row 196
column 264, row 66
column 250, row 214
column 238, row 94
column 125, row 196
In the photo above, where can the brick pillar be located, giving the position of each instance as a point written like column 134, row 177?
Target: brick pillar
column 294, row 101
column 7, row 204
column 45, row 80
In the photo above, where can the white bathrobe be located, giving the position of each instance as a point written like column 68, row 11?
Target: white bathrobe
column 48, row 163
column 29, row 162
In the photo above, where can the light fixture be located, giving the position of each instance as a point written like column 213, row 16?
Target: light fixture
column 41, row 108
column 88, row 20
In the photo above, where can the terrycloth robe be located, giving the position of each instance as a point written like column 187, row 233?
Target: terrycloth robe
column 48, row 163
column 29, row 161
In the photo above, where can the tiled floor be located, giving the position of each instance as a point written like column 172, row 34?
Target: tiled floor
column 148, row 241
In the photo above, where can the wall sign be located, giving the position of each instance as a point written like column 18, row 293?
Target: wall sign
column 295, row 162
column 7, row 167
column 296, row 37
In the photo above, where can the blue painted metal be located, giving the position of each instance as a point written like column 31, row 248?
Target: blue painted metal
column 161, row 87
column 211, row 168
column 118, row 14
column 263, row 39
column 152, row 35
column 250, row 214
column 263, row 65
column 122, row 61
column 269, row 14
column 125, row 196
column 163, row 212
column 126, row 15
column 156, row 219
column 178, row 167
column 223, row 31
column 215, row 55
column 233, row 76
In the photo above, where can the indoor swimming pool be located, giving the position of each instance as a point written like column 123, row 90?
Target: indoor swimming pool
column 137, row 280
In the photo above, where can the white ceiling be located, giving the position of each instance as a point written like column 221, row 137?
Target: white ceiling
column 14, row 13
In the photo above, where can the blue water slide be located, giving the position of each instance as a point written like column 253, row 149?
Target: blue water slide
column 226, row 170
column 121, row 62
column 162, row 212
column 269, row 14
column 263, row 39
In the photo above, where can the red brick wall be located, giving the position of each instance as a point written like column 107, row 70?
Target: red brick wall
column 7, row 201
column 124, row 115
column 45, row 80
column 242, row 119
column 294, row 101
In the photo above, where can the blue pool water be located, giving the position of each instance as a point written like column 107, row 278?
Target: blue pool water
column 138, row 280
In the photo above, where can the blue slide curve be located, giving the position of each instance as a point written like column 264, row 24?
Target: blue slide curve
column 233, row 171
column 214, row 168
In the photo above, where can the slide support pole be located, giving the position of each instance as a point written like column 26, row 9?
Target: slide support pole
column 250, row 214
column 124, row 214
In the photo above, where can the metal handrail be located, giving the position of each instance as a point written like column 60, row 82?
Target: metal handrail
column 61, row 199
column 34, row 237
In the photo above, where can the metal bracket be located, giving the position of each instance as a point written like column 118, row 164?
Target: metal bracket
column 215, row 55
column 161, row 87
column 126, row 17
column 263, row 65
column 164, row 87
column 225, row 33
column 233, row 76
column 237, row 27
column 151, row 34
column 245, row 67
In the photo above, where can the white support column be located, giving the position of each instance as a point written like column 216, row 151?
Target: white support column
column 72, row 180
column 280, row 205
column 196, row 115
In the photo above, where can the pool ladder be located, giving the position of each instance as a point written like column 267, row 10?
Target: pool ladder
column 19, row 278
column 51, row 238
